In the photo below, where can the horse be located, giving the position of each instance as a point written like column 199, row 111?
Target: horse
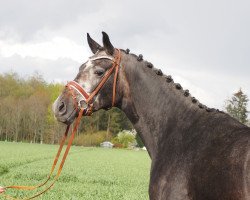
column 197, row 152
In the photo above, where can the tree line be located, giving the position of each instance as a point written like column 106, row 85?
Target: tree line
column 26, row 112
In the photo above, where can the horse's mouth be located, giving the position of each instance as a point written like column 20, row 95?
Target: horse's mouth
column 69, row 119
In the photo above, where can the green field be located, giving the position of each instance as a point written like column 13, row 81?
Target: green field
column 89, row 173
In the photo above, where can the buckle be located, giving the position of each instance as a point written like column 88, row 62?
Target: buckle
column 82, row 104
column 88, row 108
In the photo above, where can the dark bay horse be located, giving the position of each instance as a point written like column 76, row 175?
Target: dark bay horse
column 197, row 152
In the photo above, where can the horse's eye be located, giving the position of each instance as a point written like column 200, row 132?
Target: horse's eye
column 99, row 72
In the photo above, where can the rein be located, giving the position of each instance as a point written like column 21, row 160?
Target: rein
column 87, row 110
column 19, row 187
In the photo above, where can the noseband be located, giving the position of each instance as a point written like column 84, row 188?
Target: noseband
column 86, row 99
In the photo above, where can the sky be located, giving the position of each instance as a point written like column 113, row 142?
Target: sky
column 203, row 45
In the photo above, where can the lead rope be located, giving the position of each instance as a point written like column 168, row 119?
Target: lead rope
column 53, row 166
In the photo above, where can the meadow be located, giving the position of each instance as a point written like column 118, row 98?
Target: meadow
column 89, row 173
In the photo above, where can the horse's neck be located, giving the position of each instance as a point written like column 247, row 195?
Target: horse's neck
column 159, row 105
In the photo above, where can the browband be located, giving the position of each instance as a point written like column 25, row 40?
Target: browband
column 101, row 57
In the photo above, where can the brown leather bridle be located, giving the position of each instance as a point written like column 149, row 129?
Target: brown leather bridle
column 83, row 110
column 86, row 100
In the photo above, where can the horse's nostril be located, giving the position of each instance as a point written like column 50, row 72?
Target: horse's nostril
column 60, row 108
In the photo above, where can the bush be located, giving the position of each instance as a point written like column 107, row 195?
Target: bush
column 124, row 139
column 90, row 139
column 118, row 145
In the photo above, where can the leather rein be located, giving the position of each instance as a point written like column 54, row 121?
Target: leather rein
column 87, row 109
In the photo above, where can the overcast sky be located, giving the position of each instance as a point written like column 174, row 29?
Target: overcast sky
column 204, row 45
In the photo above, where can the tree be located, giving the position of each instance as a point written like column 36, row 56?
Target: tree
column 237, row 106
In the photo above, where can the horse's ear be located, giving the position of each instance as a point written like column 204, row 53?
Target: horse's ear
column 94, row 46
column 107, row 44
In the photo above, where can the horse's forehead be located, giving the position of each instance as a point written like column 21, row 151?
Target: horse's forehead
column 93, row 60
column 89, row 65
column 90, row 62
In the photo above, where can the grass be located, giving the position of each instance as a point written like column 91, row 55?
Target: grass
column 89, row 173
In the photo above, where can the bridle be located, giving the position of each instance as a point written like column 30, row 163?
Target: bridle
column 86, row 99
column 84, row 105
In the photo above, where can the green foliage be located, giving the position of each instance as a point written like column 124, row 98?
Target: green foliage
column 237, row 106
column 125, row 138
column 88, row 173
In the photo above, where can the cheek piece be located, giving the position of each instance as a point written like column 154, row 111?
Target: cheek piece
column 84, row 100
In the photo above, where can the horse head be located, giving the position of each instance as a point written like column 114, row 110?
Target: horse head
column 95, row 85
